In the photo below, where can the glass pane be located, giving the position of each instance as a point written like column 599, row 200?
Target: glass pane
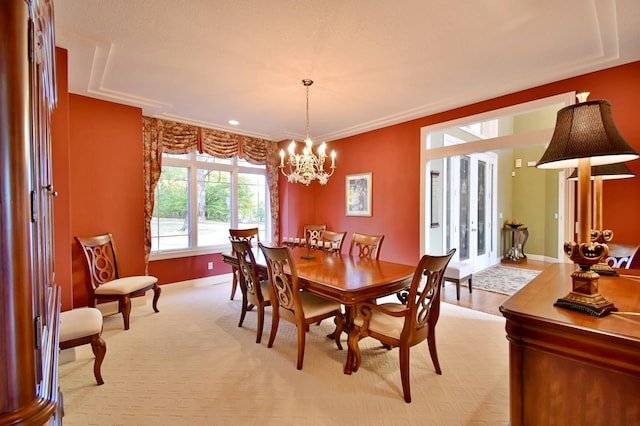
column 465, row 201
column 214, row 207
column 482, row 209
column 170, row 223
column 178, row 156
column 252, row 202
column 213, row 160
column 244, row 163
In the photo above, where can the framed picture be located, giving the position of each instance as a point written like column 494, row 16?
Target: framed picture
column 358, row 194
column 434, row 199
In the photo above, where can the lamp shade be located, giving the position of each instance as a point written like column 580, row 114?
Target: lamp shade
column 607, row 172
column 586, row 130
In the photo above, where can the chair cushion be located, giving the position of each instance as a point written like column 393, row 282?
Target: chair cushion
column 458, row 270
column 126, row 285
column 81, row 322
column 314, row 305
column 383, row 323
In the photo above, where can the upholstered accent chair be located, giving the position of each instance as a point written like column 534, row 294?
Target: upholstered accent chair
column 103, row 276
column 83, row 326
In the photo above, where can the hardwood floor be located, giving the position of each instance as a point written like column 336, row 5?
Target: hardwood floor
column 484, row 301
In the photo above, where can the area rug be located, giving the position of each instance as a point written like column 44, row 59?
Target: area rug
column 503, row 279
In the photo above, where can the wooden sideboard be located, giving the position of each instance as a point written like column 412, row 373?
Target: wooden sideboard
column 567, row 367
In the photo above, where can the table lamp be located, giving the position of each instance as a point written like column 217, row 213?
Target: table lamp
column 598, row 175
column 585, row 135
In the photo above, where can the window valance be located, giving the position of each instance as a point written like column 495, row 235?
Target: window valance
column 166, row 136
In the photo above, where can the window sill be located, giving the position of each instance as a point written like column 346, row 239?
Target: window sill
column 175, row 254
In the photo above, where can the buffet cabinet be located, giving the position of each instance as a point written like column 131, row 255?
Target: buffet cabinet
column 29, row 300
column 568, row 367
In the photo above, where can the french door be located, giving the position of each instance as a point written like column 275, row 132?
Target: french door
column 472, row 208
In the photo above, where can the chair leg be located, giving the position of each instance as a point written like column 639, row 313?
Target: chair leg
column 470, row 287
column 275, row 319
column 458, row 289
column 99, row 348
column 245, row 308
column 302, row 334
column 156, row 296
column 260, row 323
column 404, row 372
column 125, row 308
column 432, row 350
column 234, row 283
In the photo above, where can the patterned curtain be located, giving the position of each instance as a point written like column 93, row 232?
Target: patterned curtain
column 160, row 136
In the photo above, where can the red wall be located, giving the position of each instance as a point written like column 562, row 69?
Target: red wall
column 392, row 155
column 103, row 142
column 187, row 268
column 107, row 192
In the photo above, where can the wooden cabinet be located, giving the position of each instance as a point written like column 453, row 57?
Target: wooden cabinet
column 570, row 368
column 29, row 301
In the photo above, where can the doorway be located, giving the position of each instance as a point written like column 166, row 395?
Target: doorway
column 471, row 209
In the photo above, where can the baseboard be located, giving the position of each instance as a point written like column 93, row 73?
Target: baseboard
column 197, row 282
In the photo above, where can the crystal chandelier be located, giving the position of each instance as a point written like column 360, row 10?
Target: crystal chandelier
column 307, row 166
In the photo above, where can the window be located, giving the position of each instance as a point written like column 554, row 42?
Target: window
column 199, row 197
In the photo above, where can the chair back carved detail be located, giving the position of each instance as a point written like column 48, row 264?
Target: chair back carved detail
column 248, row 235
column 313, row 234
column 332, row 241
column 366, row 246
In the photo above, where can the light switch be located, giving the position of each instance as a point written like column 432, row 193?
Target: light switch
column 518, row 163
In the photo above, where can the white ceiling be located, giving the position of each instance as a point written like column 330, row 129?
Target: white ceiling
column 374, row 62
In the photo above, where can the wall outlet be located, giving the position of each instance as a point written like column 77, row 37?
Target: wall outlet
column 210, row 265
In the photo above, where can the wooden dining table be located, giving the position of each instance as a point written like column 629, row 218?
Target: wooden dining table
column 345, row 279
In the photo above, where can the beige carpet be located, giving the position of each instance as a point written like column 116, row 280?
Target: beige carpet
column 191, row 365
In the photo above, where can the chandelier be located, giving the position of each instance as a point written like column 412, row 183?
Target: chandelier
column 307, row 166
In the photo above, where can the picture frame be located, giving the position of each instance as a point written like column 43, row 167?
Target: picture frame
column 435, row 222
column 358, row 194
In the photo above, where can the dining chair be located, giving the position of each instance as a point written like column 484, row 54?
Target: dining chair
column 104, row 280
column 255, row 292
column 332, row 241
column 292, row 304
column 247, row 234
column 313, row 234
column 365, row 246
column 404, row 325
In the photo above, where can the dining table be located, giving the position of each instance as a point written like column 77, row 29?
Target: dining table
column 346, row 279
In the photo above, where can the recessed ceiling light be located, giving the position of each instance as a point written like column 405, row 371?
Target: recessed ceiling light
column 234, row 122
